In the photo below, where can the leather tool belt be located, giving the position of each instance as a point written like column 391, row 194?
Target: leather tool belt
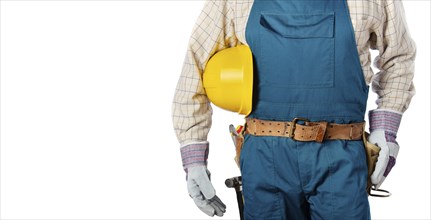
column 309, row 131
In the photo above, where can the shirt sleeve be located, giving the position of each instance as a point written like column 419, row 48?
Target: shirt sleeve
column 191, row 109
column 393, row 83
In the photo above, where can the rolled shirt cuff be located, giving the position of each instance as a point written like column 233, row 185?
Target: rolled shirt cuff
column 194, row 154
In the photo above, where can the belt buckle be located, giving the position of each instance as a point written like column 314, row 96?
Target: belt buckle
column 293, row 127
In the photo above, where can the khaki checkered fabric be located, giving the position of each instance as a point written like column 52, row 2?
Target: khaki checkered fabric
column 378, row 24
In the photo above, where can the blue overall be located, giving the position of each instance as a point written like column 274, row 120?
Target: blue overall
column 306, row 65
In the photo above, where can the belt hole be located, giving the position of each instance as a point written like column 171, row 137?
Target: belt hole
column 263, row 131
column 302, row 128
column 270, row 131
column 278, row 131
column 329, row 136
column 331, row 126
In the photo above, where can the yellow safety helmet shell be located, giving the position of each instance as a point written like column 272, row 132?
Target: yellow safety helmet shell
column 228, row 79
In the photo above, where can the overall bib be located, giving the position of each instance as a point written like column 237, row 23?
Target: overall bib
column 307, row 66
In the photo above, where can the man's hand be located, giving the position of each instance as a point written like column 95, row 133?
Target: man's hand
column 202, row 191
column 384, row 126
column 387, row 157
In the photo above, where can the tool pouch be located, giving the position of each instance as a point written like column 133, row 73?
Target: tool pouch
column 372, row 152
column 238, row 146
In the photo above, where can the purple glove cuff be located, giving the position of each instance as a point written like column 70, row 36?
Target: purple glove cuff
column 391, row 137
column 385, row 120
column 194, row 155
column 390, row 165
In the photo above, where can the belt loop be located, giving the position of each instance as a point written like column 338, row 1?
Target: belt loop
column 244, row 129
column 321, row 131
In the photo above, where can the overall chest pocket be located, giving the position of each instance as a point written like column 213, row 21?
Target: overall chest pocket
column 297, row 50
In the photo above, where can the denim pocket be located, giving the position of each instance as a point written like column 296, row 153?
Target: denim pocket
column 298, row 49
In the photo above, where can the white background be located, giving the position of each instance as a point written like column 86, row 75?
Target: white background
column 86, row 132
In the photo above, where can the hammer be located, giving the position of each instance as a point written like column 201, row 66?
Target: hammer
column 236, row 182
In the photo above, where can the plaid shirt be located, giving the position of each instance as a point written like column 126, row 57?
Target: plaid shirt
column 378, row 24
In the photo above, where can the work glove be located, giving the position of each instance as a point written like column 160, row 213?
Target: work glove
column 202, row 191
column 199, row 186
column 384, row 126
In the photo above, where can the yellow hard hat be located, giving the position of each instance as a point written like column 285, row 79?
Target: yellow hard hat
column 228, row 79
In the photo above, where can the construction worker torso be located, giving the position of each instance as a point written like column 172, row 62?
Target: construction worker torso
column 298, row 70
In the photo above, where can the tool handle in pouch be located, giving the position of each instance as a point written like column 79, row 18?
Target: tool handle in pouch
column 372, row 152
